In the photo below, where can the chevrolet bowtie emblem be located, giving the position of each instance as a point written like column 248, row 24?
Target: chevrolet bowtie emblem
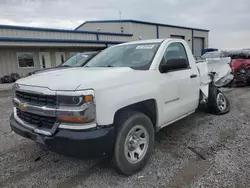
column 21, row 107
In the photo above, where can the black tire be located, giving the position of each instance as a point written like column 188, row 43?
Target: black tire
column 248, row 81
column 213, row 105
column 126, row 122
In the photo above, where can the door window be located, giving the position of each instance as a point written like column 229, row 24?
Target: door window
column 175, row 51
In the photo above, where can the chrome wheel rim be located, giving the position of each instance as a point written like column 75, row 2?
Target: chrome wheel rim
column 136, row 144
column 221, row 102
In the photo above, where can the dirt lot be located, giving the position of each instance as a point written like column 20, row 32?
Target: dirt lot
column 202, row 150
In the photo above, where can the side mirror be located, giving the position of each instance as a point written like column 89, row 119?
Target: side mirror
column 173, row 64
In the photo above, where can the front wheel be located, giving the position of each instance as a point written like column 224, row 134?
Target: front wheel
column 217, row 101
column 134, row 143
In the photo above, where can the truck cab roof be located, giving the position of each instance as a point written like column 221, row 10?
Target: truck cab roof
column 150, row 41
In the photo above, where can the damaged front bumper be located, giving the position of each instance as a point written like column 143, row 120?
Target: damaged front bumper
column 91, row 143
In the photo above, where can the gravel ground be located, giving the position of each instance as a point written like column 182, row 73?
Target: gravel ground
column 199, row 151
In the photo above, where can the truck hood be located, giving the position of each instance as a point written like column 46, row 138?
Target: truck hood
column 73, row 78
column 49, row 69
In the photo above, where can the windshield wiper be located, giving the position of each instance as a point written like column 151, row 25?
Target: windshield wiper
column 107, row 66
column 99, row 66
column 64, row 66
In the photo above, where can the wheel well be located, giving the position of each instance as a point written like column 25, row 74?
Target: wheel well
column 148, row 107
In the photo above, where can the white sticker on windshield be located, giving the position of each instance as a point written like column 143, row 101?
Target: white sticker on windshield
column 83, row 55
column 145, row 47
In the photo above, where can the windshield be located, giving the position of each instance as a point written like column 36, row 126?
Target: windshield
column 135, row 56
column 77, row 60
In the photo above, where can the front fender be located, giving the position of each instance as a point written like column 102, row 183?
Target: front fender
column 109, row 101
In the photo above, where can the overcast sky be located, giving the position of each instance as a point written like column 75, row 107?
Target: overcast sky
column 227, row 20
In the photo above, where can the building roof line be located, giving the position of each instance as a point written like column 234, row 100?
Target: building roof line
column 61, row 30
column 11, row 39
column 141, row 22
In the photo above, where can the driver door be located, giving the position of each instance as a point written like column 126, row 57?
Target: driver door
column 178, row 89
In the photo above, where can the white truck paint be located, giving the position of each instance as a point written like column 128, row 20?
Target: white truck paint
column 175, row 92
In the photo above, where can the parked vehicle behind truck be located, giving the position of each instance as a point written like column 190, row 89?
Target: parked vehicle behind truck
column 240, row 66
column 77, row 60
column 116, row 103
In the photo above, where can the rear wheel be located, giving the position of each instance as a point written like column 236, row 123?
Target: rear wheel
column 134, row 143
column 217, row 101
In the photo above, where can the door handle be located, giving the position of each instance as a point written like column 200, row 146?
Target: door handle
column 193, row 76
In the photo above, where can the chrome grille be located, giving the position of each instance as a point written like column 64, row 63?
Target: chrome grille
column 36, row 99
column 37, row 120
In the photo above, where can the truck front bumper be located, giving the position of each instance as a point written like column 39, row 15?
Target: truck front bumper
column 91, row 143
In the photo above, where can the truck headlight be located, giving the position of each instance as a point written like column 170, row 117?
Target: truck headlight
column 75, row 99
column 69, row 100
column 76, row 107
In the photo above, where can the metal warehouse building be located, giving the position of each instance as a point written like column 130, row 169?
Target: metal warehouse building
column 25, row 49
column 196, row 38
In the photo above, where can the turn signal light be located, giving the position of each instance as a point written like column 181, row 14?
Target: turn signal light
column 73, row 119
column 88, row 98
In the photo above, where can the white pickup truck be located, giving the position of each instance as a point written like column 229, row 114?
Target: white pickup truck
column 118, row 101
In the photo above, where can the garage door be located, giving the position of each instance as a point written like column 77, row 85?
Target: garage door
column 198, row 46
